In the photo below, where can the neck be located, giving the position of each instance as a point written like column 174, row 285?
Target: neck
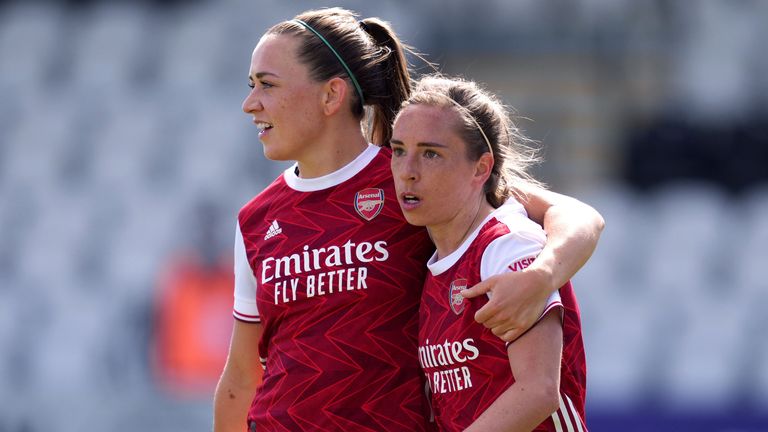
column 332, row 149
column 450, row 235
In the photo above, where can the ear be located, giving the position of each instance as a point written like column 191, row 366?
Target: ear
column 483, row 168
column 334, row 95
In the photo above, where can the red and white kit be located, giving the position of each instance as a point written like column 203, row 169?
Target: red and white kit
column 466, row 365
column 333, row 272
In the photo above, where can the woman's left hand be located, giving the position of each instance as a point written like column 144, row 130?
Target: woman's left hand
column 516, row 301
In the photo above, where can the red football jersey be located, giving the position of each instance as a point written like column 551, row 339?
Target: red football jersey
column 466, row 365
column 333, row 272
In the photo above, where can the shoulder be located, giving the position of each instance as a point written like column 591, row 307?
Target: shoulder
column 513, row 216
column 513, row 242
column 385, row 153
column 277, row 190
column 510, row 223
column 382, row 161
column 375, row 173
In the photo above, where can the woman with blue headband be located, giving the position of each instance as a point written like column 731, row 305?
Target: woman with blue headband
column 328, row 273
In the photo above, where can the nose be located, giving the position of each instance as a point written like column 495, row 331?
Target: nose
column 252, row 103
column 406, row 168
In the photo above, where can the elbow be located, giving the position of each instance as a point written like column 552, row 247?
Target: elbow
column 598, row 221
column 542, row 394
column 551, row 402
column 241, row 377
column 547, row 396
column 551, row 396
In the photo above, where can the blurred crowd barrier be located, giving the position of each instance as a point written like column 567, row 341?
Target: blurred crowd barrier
column 124, row 158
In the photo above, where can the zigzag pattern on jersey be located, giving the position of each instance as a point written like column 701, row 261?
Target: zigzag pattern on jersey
column 344, row 360
column 491, row 375
column 442, row 321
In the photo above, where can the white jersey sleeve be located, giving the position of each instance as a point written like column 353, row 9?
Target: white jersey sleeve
column 515, row 251
column 245, row 308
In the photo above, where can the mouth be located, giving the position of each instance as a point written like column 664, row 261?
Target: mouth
column 409, row 200
column 263, row 126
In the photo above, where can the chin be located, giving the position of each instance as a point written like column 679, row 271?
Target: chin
column 415, row 220
column 274, row 154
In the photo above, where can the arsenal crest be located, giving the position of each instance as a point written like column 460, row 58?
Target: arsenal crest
column 369, row 202
column 457, row 301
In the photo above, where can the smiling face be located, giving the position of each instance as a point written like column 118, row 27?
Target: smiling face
column 437, row 184
column 284, row 101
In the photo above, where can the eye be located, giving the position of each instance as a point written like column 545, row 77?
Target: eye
column 397, row 151
column 262, row 84
column 430, row 154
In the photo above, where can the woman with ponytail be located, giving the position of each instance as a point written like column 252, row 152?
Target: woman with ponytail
column 328, row 273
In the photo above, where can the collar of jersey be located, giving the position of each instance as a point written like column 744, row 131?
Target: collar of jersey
column 335, row 178
column 437, row 267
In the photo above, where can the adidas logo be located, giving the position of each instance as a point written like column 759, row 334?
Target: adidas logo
column 274, row 229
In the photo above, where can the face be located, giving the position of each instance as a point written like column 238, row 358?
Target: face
column 284, row 101
column 434, row 179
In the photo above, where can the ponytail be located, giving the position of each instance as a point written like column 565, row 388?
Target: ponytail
column 393, row 75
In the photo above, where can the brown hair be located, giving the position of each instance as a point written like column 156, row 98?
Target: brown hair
column 485, row 125
column 371, row 50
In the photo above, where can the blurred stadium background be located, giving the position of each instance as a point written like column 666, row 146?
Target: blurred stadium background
column 124, row 158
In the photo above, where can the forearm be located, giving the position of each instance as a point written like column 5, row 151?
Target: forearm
column 231, row 403
column 535, row 363
column 522, row 407
column 573, row 229
column 239, row 381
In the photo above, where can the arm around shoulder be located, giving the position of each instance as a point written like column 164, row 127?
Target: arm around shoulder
column 573, row 229
column 242, row 375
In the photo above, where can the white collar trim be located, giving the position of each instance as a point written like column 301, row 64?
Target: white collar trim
column 437, row 267
column 335, row 178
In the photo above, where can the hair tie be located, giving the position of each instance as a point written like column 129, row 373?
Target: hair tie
column 349, row 71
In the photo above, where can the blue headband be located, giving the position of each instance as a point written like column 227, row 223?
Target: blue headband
column 349, row 72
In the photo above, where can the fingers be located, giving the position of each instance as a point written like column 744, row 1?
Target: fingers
column 506, row 333
column 501, row 324
column 488, row 315
column 510, row 335
column 504, row 314
column 477, row 290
